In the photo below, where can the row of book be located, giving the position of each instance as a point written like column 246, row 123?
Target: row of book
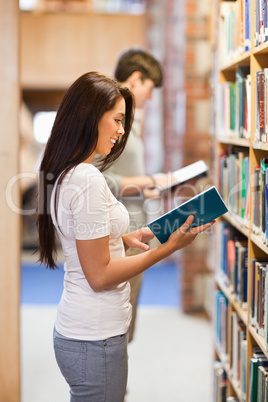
column 259, row 297
column 235, row 105
column 234, row 183
column 258, row 366
column 232, row 269
column 238, row 362
column 232, row 264
column 238, row 346
column 258, row 379
column 235, row 28
column 260, row 22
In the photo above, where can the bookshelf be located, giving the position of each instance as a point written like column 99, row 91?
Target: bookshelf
column 241, row 235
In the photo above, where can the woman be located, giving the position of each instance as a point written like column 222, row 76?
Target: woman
column 90, row 338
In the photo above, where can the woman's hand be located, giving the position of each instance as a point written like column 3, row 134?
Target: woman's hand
column 185, row 235
column 138, row 238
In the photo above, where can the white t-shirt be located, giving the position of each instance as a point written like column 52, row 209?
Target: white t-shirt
column 86, row 210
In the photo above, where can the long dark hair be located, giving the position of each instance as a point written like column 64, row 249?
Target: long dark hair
column 73, row 139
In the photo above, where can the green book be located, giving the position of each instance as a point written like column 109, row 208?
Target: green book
column 259, row 385
column 254, row 363
column 205, row 207
column 232, row 107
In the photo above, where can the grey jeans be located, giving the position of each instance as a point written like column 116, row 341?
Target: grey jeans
column 96, row 371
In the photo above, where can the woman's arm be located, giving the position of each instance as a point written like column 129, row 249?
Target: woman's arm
column 103, row 272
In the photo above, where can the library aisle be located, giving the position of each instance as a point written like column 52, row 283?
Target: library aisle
column 170, row 358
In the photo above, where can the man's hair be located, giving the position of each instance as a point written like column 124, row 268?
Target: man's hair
column 138, row 60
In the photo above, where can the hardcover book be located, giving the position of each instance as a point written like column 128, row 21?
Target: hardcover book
column 194, row 170
column 205, row 207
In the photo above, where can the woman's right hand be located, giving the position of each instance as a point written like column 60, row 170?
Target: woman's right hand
column 185, row 235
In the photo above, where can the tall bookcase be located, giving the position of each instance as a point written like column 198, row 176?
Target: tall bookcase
column 241, row 145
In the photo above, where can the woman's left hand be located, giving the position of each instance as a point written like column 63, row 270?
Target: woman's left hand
column 138, row 238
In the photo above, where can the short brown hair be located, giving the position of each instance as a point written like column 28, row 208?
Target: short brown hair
column 138, row 60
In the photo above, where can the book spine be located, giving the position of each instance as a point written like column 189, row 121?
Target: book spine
column 260, row 113
column 265, row 136
column 257, row 119
column 266, row 206
column 247, row 30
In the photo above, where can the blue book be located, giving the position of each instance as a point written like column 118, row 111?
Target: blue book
column 247, row 24
column 205, row 207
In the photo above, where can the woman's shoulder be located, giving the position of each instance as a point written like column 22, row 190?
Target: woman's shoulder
column 86, row 168
column 85, row 173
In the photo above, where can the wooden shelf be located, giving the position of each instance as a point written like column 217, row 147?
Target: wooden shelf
column 258, row 241
column 258, row 338
column 234, row 221
column 261, row 49
column 230, row 295
column 241, row 60
column 260, row 146
column 241, row 142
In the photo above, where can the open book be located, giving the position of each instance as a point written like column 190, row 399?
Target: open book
column 205, row 207
column 194, row 170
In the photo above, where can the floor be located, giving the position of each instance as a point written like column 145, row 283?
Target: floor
column 170, row 358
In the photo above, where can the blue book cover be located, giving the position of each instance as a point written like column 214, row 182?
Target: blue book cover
column 247, row 24
column 205, row 207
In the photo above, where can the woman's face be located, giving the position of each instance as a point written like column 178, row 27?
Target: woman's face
column 110, row 127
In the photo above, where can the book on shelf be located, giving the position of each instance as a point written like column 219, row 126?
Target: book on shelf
column 241, row 272
column 247, row 24
column 233, row 261
column 264, row 167
column 234, row 183
column 235, row 28
column 205, row 207
column 221, row 322
column 262, row 391
column 265, row 136
column 260, row 22
column 243, row 368
column 235, row 98
column 254, row 364
column 238, row 334
column 261, row 107
column 260, row 200
column 258, row 314
column 241, row 113
column 266, row 209
column 220, row 382
column 256, row 199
